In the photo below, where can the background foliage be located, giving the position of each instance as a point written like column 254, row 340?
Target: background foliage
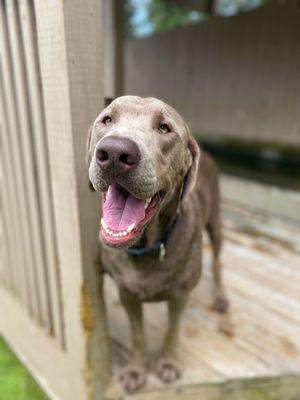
column 147, row 17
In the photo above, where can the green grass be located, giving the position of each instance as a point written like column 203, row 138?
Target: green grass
column 15, row 381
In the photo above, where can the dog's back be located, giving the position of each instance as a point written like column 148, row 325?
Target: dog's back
column 208, row 193
column 207, row 187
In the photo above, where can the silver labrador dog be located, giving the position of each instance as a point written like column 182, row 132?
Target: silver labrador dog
column 159, row 192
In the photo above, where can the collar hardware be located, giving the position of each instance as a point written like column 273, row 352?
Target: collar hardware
column 162, row 252
column 159, row 247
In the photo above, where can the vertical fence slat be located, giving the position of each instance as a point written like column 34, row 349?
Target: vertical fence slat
column 43, row 173
column 6, row 275
column 5, row 279
column 7, row 270
column 12, row 152
column 112, row 22
column 7, row 220
column 4, row 258
column 27, row 150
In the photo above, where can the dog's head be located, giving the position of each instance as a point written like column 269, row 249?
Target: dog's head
column 140, row 153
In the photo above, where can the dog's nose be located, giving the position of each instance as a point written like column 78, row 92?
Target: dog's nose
column 117, row 155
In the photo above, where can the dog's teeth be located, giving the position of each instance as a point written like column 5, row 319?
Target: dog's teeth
column 109, row 190
column 147, row 202
column 130, row 228
column 113, row 233
column 104, row 224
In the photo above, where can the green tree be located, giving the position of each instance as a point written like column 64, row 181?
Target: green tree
column 146, row 17
column 166, row 15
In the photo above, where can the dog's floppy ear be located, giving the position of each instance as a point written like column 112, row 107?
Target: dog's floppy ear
column 108, row 100
column 88, row 156
column 191, row 176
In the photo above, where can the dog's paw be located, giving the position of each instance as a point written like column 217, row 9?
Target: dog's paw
column 221, row 304
column 167, row 370
column 132, row 378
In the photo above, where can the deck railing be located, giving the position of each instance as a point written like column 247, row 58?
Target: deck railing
column 51, row 306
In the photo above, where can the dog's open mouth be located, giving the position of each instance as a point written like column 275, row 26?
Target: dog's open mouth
column 124, row 215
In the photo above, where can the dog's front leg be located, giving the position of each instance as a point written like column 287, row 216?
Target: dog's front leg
column 166, row 367
column 133, row 376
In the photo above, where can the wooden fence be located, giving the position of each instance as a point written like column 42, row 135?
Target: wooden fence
column 51, row 305
column 232, row 77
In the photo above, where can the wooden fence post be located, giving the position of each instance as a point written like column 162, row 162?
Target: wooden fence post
column 70, row 50
column 113, row 43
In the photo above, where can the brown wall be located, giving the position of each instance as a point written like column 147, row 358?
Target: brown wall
column 236, row 77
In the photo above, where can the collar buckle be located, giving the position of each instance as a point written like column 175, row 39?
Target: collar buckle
column 162, row 252
column 158, row 247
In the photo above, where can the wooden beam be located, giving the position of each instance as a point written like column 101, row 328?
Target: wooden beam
column 7, row 213
column 69, row 37
column 113, row 42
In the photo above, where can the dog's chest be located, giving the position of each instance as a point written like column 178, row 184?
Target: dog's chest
column 149, row 279
column 147, row 283
column 145, row 286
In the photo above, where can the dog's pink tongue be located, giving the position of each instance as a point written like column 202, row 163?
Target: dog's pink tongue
column 120, row 211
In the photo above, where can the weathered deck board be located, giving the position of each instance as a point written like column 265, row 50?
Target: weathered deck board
column 261, row 259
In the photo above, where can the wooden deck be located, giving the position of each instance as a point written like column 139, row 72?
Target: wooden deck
column 262, row 275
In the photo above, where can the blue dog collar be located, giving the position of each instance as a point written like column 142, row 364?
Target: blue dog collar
column 158, row 247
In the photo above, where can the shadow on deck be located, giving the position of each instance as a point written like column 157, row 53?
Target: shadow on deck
column 262, row 359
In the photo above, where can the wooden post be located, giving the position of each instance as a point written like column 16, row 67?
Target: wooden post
column 113, row 34
column 69, row 37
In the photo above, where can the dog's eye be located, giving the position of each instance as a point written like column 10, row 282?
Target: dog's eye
column 164, row 128
column 107, row 120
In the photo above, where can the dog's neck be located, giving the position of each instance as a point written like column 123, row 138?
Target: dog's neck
column 159, row 226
